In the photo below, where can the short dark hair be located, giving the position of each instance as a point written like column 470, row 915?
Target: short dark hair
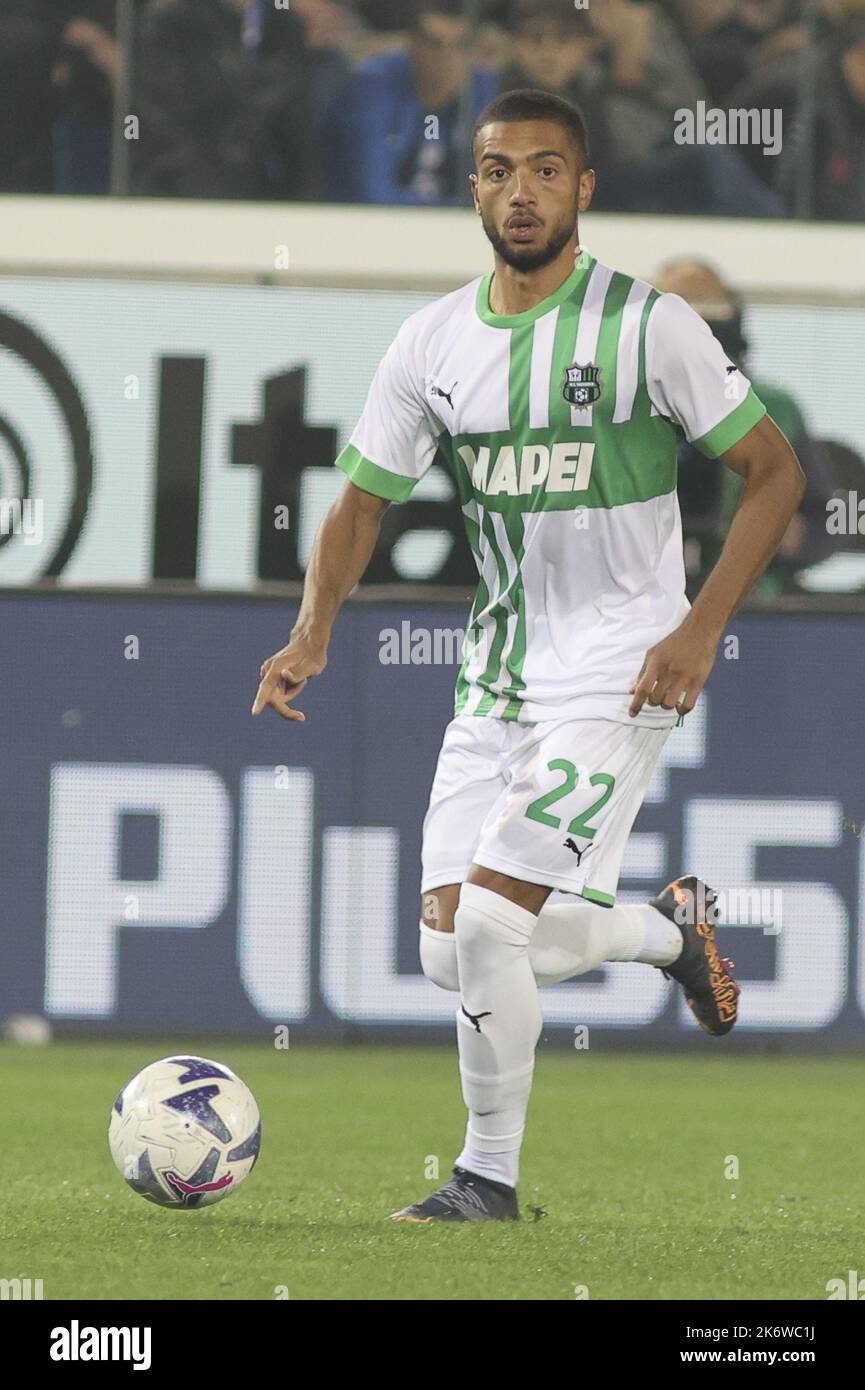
column 531, row 104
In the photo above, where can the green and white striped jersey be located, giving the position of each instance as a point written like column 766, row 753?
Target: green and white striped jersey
column 557, row 425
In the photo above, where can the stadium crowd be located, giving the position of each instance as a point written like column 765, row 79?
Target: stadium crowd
column 372, row 101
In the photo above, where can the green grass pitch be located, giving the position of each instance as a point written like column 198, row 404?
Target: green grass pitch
column 626, row 1154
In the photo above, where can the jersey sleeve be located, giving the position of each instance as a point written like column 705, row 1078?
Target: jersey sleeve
column 394, row 441
column 691, row 380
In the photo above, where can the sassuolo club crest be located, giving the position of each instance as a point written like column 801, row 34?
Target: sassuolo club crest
column 581, row 386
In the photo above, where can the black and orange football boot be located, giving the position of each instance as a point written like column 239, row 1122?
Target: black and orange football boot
column 465, row 1197
column 710, row 990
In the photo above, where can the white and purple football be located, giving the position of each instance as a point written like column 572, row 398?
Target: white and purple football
column 185, row 1132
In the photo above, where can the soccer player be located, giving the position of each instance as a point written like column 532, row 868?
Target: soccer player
column 552, row 386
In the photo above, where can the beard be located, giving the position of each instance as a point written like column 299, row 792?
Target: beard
column 530, row 257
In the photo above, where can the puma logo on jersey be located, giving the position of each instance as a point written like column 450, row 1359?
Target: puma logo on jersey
column 564, row 468
column 571, row 844
column 437, row 391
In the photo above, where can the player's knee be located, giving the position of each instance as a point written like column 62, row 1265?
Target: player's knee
column 487, row 924
column 438, row 957
column 475, row 930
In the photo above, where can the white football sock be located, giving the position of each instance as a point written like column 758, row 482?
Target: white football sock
column 570, row 938
column 662, row 942
column 498, row 1025
column 574, row 937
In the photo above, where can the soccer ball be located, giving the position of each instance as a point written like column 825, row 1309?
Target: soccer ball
column 185, row 1132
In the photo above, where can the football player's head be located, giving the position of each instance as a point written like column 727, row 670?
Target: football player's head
column 532, row 177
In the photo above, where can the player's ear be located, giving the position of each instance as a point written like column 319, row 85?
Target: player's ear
column 473, row 185
column 587, row 188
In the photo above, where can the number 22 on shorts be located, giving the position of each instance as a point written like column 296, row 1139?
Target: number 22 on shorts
column 537, row 809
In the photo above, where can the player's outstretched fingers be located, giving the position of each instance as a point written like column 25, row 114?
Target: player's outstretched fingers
column 276, row 689
column 280, row 704
column 268, row 691
column 262, row 695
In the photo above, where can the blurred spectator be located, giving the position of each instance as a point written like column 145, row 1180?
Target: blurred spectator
column 239, row 98
column 83, row 78
column 382, row 27
column 401, row 131
column 837, row 146
column 494, row 44
column 226, row 92
column 623, row 65
column 708, row 491
column 731, row 39
column 555, row 49
column 28, row 47
column 57, row 63
column 649, row 73
column 325, row 22
column 772, row 77
column 328, row 26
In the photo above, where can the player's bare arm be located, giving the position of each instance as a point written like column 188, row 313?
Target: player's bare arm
column 676, row 669
column 342, row 550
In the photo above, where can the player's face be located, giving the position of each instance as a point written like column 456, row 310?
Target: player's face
column 529, row 188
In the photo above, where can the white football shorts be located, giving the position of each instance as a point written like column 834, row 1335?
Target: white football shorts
column 551, row 803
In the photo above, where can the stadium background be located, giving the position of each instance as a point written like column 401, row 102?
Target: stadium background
column 173, row 372
column 188, row 327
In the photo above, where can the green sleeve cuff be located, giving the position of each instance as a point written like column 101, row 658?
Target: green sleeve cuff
column 732, row 428
column 370, row 478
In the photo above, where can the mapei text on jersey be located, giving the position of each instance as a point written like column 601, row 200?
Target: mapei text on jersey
column 563, row 468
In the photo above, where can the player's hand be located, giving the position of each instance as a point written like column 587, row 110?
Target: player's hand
column 675, row 670
column 285, row 674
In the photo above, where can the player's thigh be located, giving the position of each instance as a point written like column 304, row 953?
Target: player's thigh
column 437, row 908
column 470, row 778
column 530, row 896
column 574, row 794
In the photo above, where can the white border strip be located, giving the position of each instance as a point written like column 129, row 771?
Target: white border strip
column 410, row 248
